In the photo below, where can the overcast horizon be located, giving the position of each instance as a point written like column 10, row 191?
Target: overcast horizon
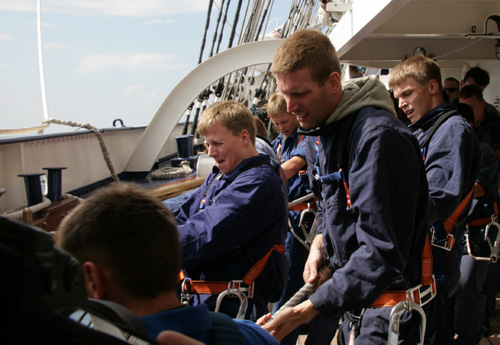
column 103, row 59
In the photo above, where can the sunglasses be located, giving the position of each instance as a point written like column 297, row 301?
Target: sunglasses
column 450, row 89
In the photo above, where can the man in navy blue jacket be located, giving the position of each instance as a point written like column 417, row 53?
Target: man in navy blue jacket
column 372, row 215
column 451, row 152
column 238, row 215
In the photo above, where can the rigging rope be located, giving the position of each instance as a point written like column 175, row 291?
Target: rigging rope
column 262, row 20
column 236, row 18
column 223, row 24
column 207, row 24
column 216, row 29
column 98, row 134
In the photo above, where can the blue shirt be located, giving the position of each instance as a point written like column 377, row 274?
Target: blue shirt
column 195, row 322
column 294, row 145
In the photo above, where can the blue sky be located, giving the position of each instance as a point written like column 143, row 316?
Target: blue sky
column 104, row 59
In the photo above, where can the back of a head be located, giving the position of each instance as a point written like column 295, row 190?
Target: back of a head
column 130, row 233
column 261, row 128
column 480, row 76
column 466, row 112
column 232, row 115
column 420, row 68
column 307, row 49
column 277, row 104
column 469, row 91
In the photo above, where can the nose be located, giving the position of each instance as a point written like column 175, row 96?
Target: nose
column 211, row 150
column 291, row 106
column 401, row 103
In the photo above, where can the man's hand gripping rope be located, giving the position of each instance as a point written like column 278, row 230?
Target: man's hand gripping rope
column 299, row 308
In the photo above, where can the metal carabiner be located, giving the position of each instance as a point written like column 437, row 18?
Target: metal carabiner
column 495, row 246
column 241, row 296
column 396, row 313
column 185, row 296
column 308, row 230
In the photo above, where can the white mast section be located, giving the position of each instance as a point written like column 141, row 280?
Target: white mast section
column 40, row 62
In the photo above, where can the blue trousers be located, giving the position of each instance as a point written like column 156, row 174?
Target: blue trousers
column 470, row 301
column 373, row 328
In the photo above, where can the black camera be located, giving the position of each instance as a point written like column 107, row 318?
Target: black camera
column 42, row 285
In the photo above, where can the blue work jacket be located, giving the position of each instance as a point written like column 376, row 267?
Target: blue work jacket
column 377, row 245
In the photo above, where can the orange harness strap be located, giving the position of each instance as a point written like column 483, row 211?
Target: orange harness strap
column 422, row 293
column 215, row 288
column 450, row 222
column 304, row 206
column 483, row 221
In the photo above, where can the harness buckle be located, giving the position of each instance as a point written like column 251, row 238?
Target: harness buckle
column 241, row 286
column 445, row 244
column 422, row 294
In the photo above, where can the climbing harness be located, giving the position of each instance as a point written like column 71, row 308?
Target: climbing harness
column 421, row 294
column 413, row 298
column 494, row 245
column 233, row 292
column 441, row 236
column 395, row 318
column 237, row 288
column 168, row 172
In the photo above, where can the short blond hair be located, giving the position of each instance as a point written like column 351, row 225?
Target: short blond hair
column 420, row 68
column 307, row 49
column 234, row 116
column 276, row 105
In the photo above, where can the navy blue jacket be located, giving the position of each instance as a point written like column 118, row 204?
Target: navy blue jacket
column 377, row 246
column 451, row 162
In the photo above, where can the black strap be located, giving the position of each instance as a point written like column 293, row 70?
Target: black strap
column 436, row 125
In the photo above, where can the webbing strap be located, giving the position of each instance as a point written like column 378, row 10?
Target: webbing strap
column 258, row 267
column 450, row 222
column 484, row 221
column 421, row 294
column 304, row 206
column 216, row 287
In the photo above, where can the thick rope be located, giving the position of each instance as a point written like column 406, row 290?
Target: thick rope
column 167, row 172
column 98, row 134
column 301, row 200
column 18, row 215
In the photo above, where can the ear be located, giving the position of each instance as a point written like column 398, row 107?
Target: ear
column 433, row 86
column 95, row 280
column 245, row 137
column 333, row 82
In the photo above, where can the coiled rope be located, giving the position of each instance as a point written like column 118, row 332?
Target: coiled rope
column 168, row 172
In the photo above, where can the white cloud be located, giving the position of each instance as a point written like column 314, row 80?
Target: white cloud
column 158, row 21
column 109, row 7
column 138, row 61
column 4, row 36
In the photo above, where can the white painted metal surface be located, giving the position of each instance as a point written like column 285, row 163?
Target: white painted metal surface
column 188, row 89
